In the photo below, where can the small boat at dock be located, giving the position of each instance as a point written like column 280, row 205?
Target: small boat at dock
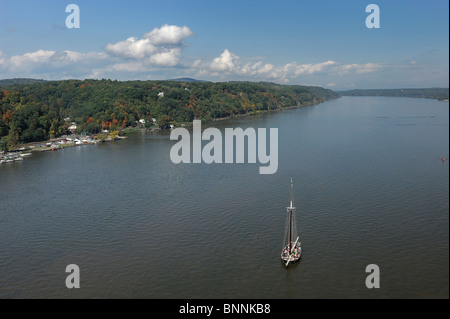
column 25, row 154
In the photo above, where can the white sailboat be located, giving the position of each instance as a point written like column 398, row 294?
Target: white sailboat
column 292, row 249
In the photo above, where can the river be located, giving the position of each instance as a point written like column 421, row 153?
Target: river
column 370, row 187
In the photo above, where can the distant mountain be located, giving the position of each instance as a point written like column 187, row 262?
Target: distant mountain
column 8, row 82
column 186, row 80
column 427, row 93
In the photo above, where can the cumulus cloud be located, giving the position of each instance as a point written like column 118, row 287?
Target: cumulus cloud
column 358, row 68
column 131, row 48
column 161, row 47
column 133, row 66
column 85, row 58
column 197, row 64
column 32, row 59
column 229, row 63
column 167, row 58
column 51, row 64
column 160, row 50
column 225, row 62
column 168, row 34
column 312, row 68
column 267, row 68
column 52, row 59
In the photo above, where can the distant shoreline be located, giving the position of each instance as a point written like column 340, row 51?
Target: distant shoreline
column 33, row 146
column 440, row 94
column 130, row 130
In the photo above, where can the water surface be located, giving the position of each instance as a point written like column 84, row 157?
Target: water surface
column 369, row 184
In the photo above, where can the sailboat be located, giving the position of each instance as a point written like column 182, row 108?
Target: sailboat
column 292, row 249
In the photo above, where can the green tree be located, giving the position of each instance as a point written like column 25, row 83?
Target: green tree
column 13, row 139
column 162, row 121
column 4, row 144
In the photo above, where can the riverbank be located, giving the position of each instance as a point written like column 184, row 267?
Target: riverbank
column 25, row 150
column 259, row 112
column 440, row 94
column 79, row 139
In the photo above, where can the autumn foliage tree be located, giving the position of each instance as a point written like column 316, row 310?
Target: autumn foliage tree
column 36, row 111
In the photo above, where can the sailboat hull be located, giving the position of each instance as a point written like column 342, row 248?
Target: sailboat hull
column 293, row 257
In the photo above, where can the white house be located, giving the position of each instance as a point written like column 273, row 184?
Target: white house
column 73, row 127
column 161, row 94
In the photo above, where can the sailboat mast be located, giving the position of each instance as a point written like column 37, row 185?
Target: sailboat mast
column 290, row 220
column 291, row 194
column 290, row 231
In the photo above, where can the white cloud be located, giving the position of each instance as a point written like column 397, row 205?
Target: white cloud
column 29, row 60
column 265, row 69
column 197, row 63
column 358, row 68
column 313, row 68
column 160, row 47
column 167, row 58
column 61, row 59
column 85, row 57
column 168, row 34
column 51, row 64
column 225, row 62
column 132, row 48
column 52, row 59
column 160, row 50
column 133, row 66
column 229, row 63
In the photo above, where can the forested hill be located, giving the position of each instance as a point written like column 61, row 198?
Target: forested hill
column 36, row 112
column 9, row 82
column 430, row 93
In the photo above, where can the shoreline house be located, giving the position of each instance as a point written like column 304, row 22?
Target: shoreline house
column 72, row 128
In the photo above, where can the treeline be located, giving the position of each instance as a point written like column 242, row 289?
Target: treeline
column 43, row 110
column 430, row 93
column 8, row 82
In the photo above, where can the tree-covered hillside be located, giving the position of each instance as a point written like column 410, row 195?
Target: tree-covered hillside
column 9, row 82
column 43, row 110
column 428, row 93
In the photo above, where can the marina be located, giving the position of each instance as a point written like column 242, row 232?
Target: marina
column 27, row 150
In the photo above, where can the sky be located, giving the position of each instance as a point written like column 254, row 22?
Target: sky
column 320, row 43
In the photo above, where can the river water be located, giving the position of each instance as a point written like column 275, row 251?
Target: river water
column 369, row 185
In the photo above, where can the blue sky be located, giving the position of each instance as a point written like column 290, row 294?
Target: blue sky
column 323, row 43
